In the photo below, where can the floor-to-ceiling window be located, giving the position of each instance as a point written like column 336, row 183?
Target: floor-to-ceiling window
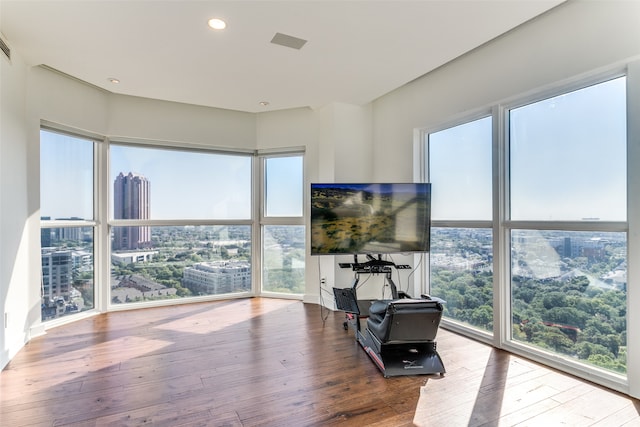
column 461, row 256
column 283, row 230
column 68, row 226
column 181, row 223
column 540, row 261
column 567, row 223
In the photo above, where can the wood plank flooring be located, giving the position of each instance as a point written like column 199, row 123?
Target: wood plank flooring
column 269, row 362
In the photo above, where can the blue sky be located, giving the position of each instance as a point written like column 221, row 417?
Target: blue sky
column 568, row 156
column 184, row 184
column 285, row 186
column 66, row 176
column 460, row 171
column 188, row 184
column 567, row 153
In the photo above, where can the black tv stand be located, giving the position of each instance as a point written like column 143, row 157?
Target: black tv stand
column 374, row 266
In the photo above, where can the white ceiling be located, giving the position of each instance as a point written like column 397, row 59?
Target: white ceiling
column 163, row 49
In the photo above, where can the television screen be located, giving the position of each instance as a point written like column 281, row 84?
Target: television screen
column 370, row 218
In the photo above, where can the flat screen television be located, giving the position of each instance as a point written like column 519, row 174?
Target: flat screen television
column 370, row 218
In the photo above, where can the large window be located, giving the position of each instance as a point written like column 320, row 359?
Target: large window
column 67, row 224
column 180, row 223
column 163, row 223
column 459, row 169
column 283, row 231
column 551, row 238
column 568, row 220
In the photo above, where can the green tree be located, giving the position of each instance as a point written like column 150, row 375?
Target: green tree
column 556, row 340
column 585, row 349
column 482, row 316
column 554, row 299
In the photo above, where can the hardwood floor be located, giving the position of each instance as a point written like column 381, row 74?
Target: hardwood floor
column 268, row 362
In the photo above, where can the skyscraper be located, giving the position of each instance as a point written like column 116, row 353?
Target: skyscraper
column 131, row 201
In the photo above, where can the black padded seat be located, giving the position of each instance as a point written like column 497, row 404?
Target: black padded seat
column 404, row 320
column 377, row 309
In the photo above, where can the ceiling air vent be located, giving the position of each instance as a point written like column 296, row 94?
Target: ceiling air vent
column 288, row 41
column 5, row 48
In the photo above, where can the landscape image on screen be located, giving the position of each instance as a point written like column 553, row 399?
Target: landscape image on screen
column 370, row 218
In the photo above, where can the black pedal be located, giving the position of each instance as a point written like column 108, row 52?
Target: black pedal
column 346, row 300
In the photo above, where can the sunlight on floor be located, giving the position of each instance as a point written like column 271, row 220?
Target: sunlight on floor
column 223, row 315
column 111, row 354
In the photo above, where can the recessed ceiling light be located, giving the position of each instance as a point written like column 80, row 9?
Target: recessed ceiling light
column 217, row 24
column 113, row 80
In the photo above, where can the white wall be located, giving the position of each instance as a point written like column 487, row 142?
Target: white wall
column 74, row 104
column 142, row 118
column 18, row 300
column 575, row 38
column 65, row 101
column 345, row 153
column 345, row 140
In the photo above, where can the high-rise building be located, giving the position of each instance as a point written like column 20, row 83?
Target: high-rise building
column 59, row 266
column 131, row 201
column 56, row 281
column 56, row 273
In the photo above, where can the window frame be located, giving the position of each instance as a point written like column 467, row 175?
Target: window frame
column 451, row 324
column 502, row 225
column 107, row 190
column 94, row 223
column 102, row 222
column 507, row 225
column 265, row 220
